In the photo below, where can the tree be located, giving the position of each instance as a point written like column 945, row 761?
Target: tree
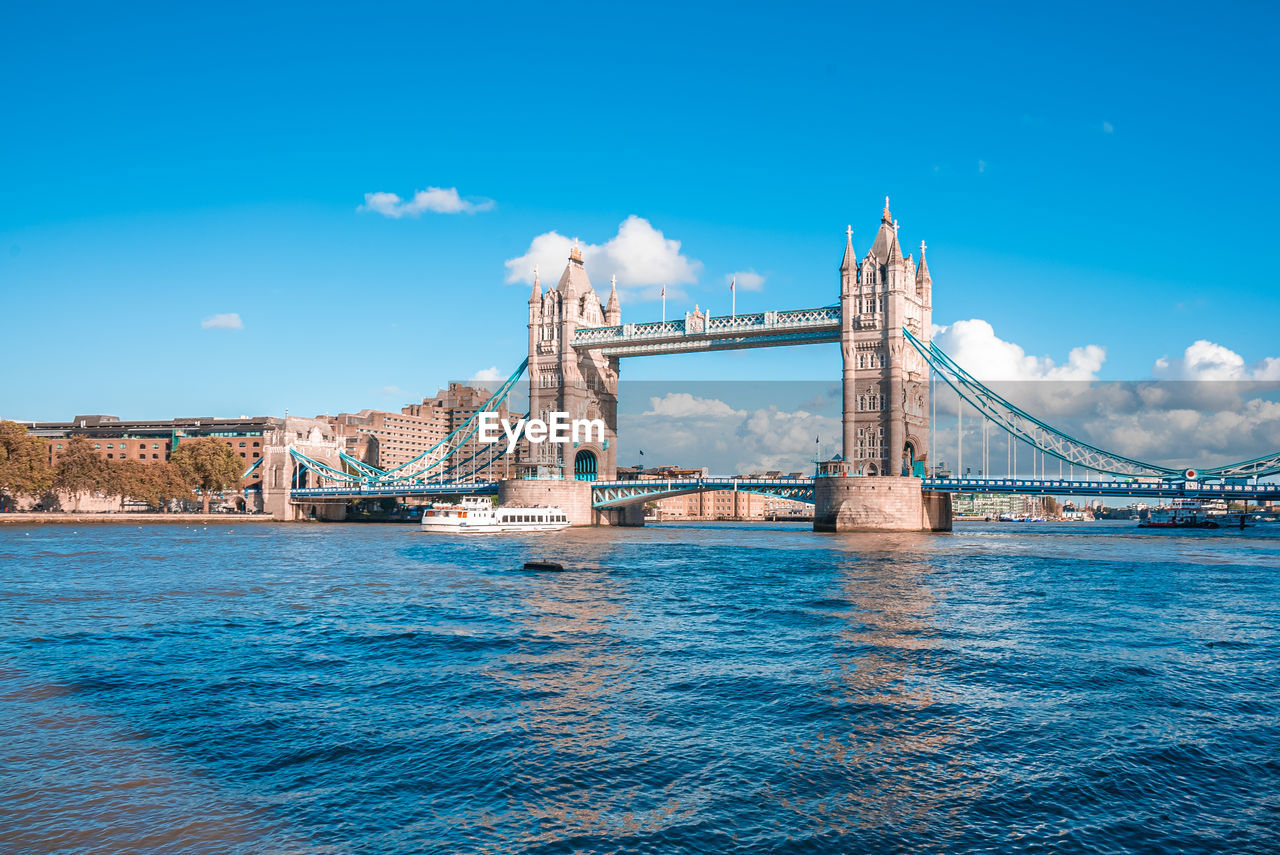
column 207, row 465
column 81, row 470
column 24, row 462
column 154, row 484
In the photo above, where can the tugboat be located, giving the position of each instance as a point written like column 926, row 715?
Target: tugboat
column 477, row 516
column 1183, row 513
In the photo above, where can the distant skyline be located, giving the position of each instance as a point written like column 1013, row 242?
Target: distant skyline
column 248, row 210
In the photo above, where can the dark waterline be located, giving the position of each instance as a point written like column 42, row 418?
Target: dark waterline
column 344, row 688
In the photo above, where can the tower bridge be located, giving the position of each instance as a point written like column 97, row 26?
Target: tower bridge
column 882, row 321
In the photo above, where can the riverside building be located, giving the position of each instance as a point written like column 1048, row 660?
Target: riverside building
column 388, row 439
column 153, row 440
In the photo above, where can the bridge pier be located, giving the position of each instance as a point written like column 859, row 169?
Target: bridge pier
column 574, row 497
column 879, row 503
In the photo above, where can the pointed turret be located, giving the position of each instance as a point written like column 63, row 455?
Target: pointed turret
column 895, row 251
column 613, row 312
column 535, row 296
column 884, row 237
column 574, row 282
column 850, row 260
column 922, row 273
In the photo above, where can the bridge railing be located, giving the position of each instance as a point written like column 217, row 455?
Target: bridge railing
column 757, row 323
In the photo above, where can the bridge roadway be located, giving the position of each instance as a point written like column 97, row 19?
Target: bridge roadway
column 1138, row 489
column 613, row 494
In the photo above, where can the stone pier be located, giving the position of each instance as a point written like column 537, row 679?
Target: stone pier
column 883, row 503
column 572, row 496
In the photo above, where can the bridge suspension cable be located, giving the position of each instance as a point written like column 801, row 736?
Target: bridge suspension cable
column 447, row 450
column 1049, row 440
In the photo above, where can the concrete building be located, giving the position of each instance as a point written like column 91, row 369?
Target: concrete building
column 715, row 504
column 388, row 439
column 995, row 505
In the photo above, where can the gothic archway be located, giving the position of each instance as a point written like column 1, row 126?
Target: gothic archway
column 584, row 466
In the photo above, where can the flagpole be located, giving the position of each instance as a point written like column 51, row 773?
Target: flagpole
column 664, row 304
column 734, row 293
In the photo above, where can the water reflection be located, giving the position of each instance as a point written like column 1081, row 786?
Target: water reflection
column 890, row 757
column 567, row 671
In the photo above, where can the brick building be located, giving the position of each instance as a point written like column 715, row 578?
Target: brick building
column 153, row 440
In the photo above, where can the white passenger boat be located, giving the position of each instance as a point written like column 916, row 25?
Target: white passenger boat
column 477, row 516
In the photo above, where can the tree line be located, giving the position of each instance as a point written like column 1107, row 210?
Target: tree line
column 203, row 464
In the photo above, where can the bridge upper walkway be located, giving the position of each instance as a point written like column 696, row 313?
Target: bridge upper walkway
column 698, row 333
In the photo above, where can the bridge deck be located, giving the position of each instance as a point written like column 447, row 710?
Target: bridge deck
column 617, row 493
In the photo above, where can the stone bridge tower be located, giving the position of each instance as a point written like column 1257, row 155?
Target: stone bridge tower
column 886, row 396
column 885, row 382
column 584, row 385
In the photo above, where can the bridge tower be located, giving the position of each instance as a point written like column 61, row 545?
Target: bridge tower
column 885, row 419
column 885, row 381
column 582, row 384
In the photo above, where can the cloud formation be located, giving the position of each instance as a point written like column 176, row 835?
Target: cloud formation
column 747, row 280
column 642, row 258
column 682, row 405
column 225, row 321
column 699, row 430
column 437, row 200
column 976, row 347
column 1207, row 360
column 487, row 375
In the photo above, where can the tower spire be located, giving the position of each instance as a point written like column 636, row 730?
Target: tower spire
column 613, row 311
column 885, row 216
column 536, row 294
column 850, row 260
column 922, row 272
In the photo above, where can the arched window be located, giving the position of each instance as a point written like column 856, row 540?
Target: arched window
column 584, row 466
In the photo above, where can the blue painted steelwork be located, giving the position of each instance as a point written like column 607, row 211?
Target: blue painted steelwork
column 700, row 333
column 1026, row 427
column 452, row 443
column 415, row 471
column 249, row 471
column 616, row 494
column 380, row 491
column 1148, row 489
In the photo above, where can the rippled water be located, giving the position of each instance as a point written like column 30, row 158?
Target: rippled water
column 343, row 688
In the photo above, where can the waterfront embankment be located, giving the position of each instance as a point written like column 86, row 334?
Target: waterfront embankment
column 59, row 518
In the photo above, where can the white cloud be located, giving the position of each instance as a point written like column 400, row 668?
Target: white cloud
column 394, row 391
column 1207, row 360
column 1108, row 128
column 976, row 347
column 225, row 321
column 439, row 200
column 747, row 280
column 485, row 375
column 641, row 256
column 682, row 405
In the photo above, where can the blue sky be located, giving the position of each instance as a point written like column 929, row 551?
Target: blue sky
column 1086, row 176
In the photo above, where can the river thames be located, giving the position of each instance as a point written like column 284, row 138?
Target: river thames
column 680, row 688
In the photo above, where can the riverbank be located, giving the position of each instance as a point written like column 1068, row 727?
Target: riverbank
column 59, row 518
